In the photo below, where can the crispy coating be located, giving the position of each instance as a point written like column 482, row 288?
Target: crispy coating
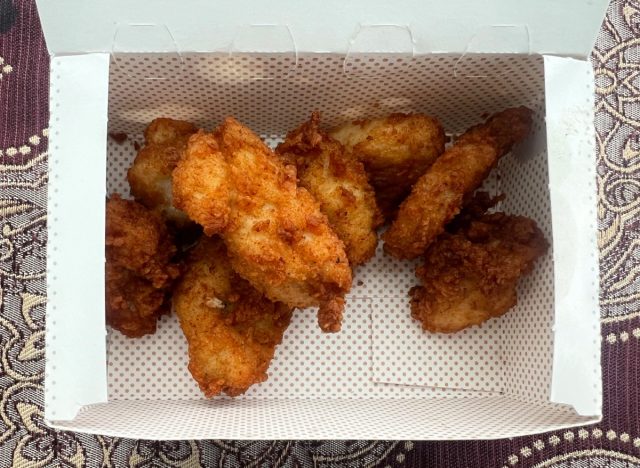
column 150, row 174
column 232, row 330
column 231, row 183
column 396, row 150
column 474, row 208
column 471, row 275
column 439, row 194
column 139, row 271
column 339, row 183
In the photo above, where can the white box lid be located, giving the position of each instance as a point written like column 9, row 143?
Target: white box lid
column 566, row 28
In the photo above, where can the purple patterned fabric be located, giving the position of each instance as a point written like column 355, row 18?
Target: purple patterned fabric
column 26, row 441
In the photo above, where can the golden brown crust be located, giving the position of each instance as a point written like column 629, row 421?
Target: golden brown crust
column 165, row 131
column 396, row 150
column 471, row 275
column 139, row 272
column 231, row 183
column 232, row 330
column 330, row 314
column 200, row 183
column 339, row 183
column 150, row 174
column 473, row 208
column 438, row 195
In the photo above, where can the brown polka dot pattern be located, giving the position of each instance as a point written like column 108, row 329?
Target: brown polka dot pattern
column 484, row 417
column 206, row 88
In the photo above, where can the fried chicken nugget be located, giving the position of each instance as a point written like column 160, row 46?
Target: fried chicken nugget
column 139, row 271
column 232, row 330
column 339, row 183
column 231, row 183
column 439, row 194
column 396, row 150
column 150, row 174
column 471, row 276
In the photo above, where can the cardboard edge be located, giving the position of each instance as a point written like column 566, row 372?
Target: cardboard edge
column 328, row 26
column 571, row 147
column 75, row 363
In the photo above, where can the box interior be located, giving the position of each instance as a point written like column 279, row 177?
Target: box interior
column 381, row 358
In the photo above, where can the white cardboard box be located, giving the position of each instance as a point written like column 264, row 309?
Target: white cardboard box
column 115, row 65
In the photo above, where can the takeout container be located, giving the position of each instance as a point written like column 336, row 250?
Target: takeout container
column 116, row 65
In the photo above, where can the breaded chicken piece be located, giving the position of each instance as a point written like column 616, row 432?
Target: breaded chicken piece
column 339, row 183
column 439, row 194
column 232, row 184
column 139, row 269
column 150, row 174
column 396, row 150
column 471, row 275
column 232, row 330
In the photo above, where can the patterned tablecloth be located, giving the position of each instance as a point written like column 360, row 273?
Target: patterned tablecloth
column 26, row 441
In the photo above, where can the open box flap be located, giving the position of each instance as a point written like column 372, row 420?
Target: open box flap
column 75, row 335
column 566, row 28
column 577, row 377
column 483, row 418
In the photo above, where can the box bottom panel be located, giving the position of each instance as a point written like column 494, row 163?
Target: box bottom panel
column 416, row 419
